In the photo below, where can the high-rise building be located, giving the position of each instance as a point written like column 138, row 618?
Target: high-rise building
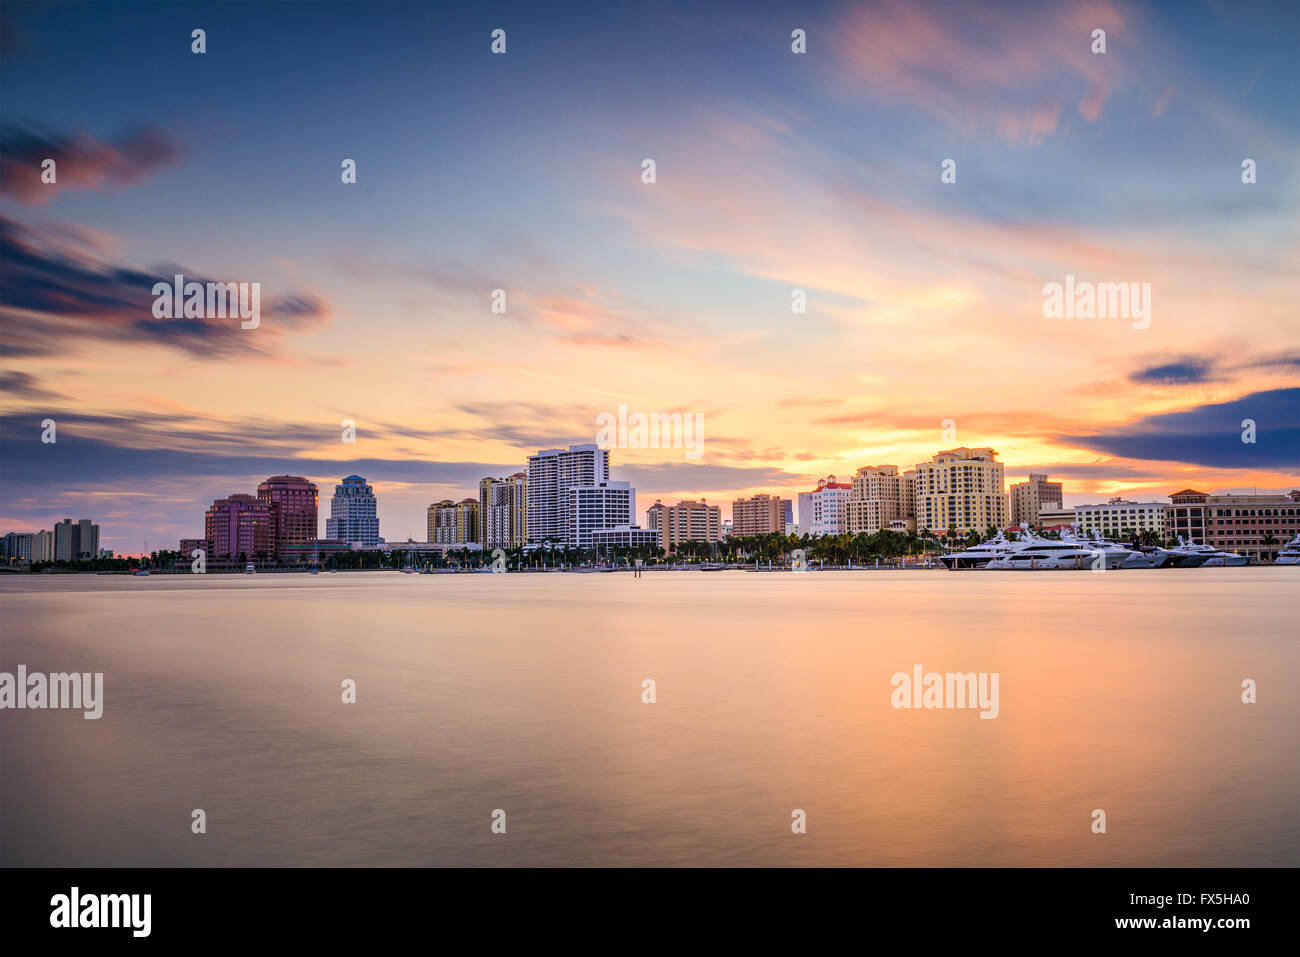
column 1027, row 498
column 17, row 548
column 74, row 542
column 353, row 513
column 1235, row 523
column 824, row 510
column 503, row 511
column 760, row 514
column 604, row 505
column 454, row 523
column 551, row 474
column 238, row 525
column 294, row 507
column 876, row 498
column 685, row 521
column 43, row 546
column 961, row 488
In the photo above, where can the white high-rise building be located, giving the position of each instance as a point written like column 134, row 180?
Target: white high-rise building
column 605, row 505
column 552, row 473
column 824, row 510
column 353, row 518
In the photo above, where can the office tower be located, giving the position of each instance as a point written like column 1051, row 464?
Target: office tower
column 353, row 513
column 239, row 525
column 294, row 504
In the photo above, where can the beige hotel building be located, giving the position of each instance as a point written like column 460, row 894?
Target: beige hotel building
column 1031, row 497
column 963, row 488
column 880, row 498
column 687, row 521
column 759, row 515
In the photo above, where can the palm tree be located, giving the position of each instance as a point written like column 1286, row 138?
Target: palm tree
column 1268, row 541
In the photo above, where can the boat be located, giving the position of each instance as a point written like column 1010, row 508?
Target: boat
column 141, row 573
column 1176, row 558
column 1290, row 553
column 1113, row 554
column 1042, row 554
column 979, row 556
column 1214, row 557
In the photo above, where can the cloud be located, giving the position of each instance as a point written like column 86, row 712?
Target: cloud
column 23, row 386
column 56, row 289
column 1186, row 372
column 963, row 62
column 81, row 161
column 1211, row 435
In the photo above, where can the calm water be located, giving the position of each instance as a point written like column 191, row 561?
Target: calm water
column 1118, row 691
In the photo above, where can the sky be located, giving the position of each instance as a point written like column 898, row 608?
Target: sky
column 774, row 172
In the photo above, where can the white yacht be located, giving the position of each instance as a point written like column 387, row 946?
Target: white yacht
column 1114, row 555
column 979, row 556
column 1214, row 557
column 1042, row 554
column 1290, row 553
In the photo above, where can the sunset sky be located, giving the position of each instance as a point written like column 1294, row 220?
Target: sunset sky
column 775, row 171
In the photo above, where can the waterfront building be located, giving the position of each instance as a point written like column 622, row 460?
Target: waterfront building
column 294, row 507
column 354, row 514
column 17, row 548
column 761, row 514
column 876, row 497
column 625, row 536
column 74, row 542
column 824, row 510
column 1027, row 498
column 552, row 473
column 686, row 521
column 962, row 488
column 238, row 525
column 503, row 511
column 1051, row 517
column 604, row 505
column 1235, row 523
column 1119, row 516
column 454, row 523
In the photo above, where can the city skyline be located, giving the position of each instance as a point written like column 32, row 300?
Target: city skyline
column 775, row 173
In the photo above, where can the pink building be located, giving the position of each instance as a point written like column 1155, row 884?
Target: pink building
column 294, row 502
column 239, row 525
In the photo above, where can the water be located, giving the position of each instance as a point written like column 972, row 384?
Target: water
column 1119, row 691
